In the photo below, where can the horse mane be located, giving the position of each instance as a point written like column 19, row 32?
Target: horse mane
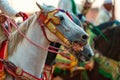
column 16, row 37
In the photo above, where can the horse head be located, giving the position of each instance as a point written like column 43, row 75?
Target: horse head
column 87, row 51
column 49, row 25
column 71, row 33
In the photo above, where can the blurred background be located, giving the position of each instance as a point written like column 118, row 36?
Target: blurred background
column 29, row 6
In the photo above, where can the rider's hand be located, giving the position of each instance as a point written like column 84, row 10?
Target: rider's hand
column 22, row 14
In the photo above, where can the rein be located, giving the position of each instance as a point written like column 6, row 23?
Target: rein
column 35, row 44
column 18, row 72
column 5, row 22
column 12, row 68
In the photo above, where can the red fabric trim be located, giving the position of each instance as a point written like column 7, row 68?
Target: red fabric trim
column 3, row 53
column 24, row 15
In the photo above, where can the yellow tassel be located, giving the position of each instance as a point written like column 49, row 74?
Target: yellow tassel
column 2, row 75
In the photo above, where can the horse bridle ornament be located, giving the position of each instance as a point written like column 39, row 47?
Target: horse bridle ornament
column 50, row 20
column 51, row 26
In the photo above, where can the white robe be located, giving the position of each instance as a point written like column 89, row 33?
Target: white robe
column 67, row 5
column 103, row 16
column 7, row 9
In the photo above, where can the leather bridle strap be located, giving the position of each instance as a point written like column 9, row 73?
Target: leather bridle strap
column 5, row 22
column 32, row 42
column 18, row 72
column 49, row 21
column 41, row 23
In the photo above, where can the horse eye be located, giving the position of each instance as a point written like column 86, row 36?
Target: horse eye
column 61, row 18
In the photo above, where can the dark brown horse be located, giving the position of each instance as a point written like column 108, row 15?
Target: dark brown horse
column 109, row 47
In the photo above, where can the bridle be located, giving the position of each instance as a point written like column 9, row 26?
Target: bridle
column 3, row 23
column 44, row 21
column 49, row 21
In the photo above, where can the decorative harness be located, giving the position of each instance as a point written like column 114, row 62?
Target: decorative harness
column 49, row 21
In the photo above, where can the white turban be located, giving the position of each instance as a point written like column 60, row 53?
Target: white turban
column 107, row 1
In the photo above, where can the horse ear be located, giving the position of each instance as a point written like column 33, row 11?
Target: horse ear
column 39, row 5
column 43, row 7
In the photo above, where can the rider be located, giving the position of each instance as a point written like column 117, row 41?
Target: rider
column 105, row 17
column 104, row 14
column 6, row 9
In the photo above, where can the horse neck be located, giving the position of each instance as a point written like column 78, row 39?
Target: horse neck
column 28, row 56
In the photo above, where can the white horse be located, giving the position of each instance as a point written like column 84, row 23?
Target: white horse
column 74, row 11
column 50, row 24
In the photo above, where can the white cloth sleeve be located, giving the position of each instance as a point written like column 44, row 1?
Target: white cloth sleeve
column 102, row 18
column 65, row 5
column 7, row 9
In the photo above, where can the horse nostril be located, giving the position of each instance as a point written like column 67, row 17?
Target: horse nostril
column 89, row 55
column 85, row 37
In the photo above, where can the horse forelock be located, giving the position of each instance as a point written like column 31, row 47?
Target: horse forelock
column 16, row 37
